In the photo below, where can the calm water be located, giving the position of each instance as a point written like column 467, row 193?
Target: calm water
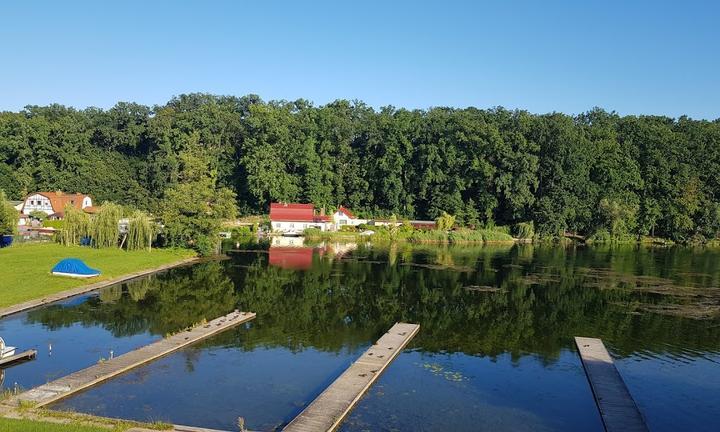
column 495, row 350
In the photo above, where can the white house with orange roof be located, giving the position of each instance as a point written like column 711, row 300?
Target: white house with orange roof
column 53, row 203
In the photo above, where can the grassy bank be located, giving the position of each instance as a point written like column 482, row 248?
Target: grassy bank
column 26, row 268
column 60, row 421
column 13, row 425
column 383, row 234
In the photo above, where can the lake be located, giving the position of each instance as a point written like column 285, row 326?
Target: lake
column 495, row 350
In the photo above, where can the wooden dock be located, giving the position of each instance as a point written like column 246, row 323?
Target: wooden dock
column 329, row 409
column 617, row 407
column 17, row 358
column 70, row 384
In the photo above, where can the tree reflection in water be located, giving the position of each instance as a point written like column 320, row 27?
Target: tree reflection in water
column 478, row 300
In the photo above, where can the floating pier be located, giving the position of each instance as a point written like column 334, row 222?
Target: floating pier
column 17, row 358
column 66, row 386
column 329, row 409
column 617, row 407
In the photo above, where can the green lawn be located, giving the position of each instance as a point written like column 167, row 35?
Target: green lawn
column 13, row 425
column 25, row 269
column 79, row 424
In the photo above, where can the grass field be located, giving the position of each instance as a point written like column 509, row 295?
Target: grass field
column 13, row 425
column 25, row 269
column 79, row 424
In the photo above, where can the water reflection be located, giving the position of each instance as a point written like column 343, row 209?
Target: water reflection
column 496, row 338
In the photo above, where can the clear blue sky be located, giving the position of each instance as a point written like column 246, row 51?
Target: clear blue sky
column 634, row 57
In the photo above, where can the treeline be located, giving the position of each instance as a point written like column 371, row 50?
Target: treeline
column 593, row 174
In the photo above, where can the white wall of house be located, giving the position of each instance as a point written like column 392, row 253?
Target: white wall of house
column 37, row 202
column 292, row 226
column 340, row 219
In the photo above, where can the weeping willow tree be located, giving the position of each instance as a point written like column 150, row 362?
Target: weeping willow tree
column 75, row 226
column 105, row 226
column 140, row 231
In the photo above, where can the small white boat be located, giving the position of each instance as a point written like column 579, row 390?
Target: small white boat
column 292, row 234
column 6, row 351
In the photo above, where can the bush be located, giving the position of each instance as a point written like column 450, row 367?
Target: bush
column 348, row 228
column 312, row 232
column 430, row 236
column 57, row 224
column 241, row 231
column 492, row 235
column 524, row 230
column 445, row 221
column 604, row 236
column 466, row 235
column 8, row 216
column 39, row 215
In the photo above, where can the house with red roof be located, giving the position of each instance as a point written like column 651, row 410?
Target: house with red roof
column 293, row 218
column 344, row 217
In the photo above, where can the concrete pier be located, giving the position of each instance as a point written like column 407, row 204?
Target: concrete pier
column 329, row 409
column 17, row 358
column 617, row 407
column 66, row 386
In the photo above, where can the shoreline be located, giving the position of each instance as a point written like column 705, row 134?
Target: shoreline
column 84, row 289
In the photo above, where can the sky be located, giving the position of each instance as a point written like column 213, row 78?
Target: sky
column 633, row 57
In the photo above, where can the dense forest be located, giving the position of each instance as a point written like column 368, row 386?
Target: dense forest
column 595, row 172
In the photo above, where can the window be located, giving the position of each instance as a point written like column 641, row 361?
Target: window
column 343, row 222
column 292, row 225
column 277, row 225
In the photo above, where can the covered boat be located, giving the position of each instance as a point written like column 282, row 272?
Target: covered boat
column 6, row 351
column 74, row 267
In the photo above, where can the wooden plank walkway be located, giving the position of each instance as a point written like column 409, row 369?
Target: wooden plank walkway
column 617, row 407
column 20, row 357
column 62, row 295
column 66, row 386
column 329, row 409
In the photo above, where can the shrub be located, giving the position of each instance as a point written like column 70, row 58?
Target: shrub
column 524, row 230
column 312, row 232
column 57, row 224
column 8, row 216
column 492, row 235
column 466, row 235
column 429, row 236
column 241, row 231
column 445, row 221
column 39, row 215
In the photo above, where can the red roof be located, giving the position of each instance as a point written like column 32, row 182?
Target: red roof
column 281, row 212
column 346, row 211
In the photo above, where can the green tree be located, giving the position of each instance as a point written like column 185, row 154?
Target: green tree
column 8, row 216
column 194, row 209
column 445, row 222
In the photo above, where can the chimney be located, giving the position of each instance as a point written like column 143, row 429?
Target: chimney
column 322, row 211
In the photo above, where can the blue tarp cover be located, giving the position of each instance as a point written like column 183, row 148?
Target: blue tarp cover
column 74, row 266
